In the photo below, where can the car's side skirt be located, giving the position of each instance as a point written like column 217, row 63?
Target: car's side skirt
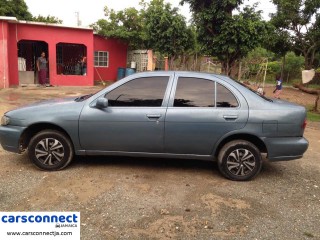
column 143, row 154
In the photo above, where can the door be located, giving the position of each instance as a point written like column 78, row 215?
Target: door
column 200, row 112
column 133, row 121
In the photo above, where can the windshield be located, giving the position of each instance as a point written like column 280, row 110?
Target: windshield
column 82, row 98
column 85, row 97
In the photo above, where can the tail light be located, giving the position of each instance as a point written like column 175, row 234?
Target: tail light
column 304, row 124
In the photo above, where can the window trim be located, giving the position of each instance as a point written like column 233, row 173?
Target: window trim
column 94, row 56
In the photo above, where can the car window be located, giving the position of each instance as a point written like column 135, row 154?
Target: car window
column 194, row 92
column 140, row 92
column 225, row 97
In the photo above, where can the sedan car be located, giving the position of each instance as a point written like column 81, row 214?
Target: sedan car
column 185, row 115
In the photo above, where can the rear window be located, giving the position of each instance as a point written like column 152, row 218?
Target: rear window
column 225, row 98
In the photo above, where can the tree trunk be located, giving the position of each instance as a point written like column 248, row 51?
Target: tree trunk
column 283, row 66
column 227, row 67
column 171, row 64
column 307, row 63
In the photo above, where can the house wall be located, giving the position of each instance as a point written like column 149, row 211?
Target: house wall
column 4, row 68
column 117, row 58
column 52, row 36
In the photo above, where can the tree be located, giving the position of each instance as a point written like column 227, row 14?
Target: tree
column 300, row 20
column 156, row 26
column 167, row 30
column 47, row 19
column 279, row 43
column 15, row 8
column 294, row 65
column 19, row 9
column 127, row 24
column 227, row 36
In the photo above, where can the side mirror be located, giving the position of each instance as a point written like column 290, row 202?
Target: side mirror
column 102, row 103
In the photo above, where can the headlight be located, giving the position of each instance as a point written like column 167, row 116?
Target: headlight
column 5, row 120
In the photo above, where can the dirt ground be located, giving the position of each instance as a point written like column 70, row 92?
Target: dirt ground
column 141, row 198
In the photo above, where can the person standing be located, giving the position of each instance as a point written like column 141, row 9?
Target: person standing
column 42, row 66
column 278, row 89
column 84, row 66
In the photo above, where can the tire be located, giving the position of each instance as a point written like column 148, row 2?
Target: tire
column 50, row 150
column 239, row 160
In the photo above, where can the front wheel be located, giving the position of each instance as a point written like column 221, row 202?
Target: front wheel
column 239, row 160
column 50, row 150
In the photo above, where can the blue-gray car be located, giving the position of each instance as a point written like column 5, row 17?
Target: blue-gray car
column 185, row 115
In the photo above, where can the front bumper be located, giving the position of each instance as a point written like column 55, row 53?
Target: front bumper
column 10, row 138
column 287, row 148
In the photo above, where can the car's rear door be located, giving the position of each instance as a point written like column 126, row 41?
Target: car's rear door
column 200, row 112
column 134, row 119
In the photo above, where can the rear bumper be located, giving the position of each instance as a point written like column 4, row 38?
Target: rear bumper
column 285, row 149
column 10, row 137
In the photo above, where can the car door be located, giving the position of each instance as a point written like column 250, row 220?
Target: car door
column 133, row 120
column 200, row 112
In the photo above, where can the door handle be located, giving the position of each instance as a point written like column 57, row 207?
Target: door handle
column 154, row 117
column 230, row 117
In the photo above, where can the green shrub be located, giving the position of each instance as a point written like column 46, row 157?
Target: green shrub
column 274, row 67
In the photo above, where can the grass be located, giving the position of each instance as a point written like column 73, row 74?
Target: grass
column 313, row 117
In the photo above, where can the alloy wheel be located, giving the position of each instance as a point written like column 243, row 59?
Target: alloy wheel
column 241, row 162
column 49, row 151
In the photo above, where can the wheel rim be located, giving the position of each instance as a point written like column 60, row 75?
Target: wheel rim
column 49, row 151
column 241, row 162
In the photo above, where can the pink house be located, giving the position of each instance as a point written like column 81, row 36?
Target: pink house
column 66, row 48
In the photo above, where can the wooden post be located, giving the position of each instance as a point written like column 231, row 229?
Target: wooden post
column 166, row 64
column 239, row 72
column 265, row 74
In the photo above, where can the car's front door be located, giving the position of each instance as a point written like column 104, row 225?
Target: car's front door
column 133, row 120
column 200, row 112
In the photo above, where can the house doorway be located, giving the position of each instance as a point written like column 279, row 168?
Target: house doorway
column 28, row 53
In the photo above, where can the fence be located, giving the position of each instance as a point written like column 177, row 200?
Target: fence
column 212, row 65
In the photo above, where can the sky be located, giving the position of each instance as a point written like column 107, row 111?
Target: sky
column 92, row 10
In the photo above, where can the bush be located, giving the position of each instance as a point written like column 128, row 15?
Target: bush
column 293, row 66
column 274, row 67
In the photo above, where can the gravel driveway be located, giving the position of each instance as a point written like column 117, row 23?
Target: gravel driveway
column 142, row 198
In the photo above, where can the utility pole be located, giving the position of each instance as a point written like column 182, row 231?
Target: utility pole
column 78, row 19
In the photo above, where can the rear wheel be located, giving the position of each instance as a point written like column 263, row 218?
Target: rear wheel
column 50, row 150
column 239, row 160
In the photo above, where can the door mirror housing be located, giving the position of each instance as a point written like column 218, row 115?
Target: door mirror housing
column 102, row 103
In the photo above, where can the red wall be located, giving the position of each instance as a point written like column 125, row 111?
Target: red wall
column 51, row 35
column 117, row 57
column 4, row 55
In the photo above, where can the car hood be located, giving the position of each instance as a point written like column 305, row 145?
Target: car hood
column 46, row 111
column 41, row 104
column 49, row 102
